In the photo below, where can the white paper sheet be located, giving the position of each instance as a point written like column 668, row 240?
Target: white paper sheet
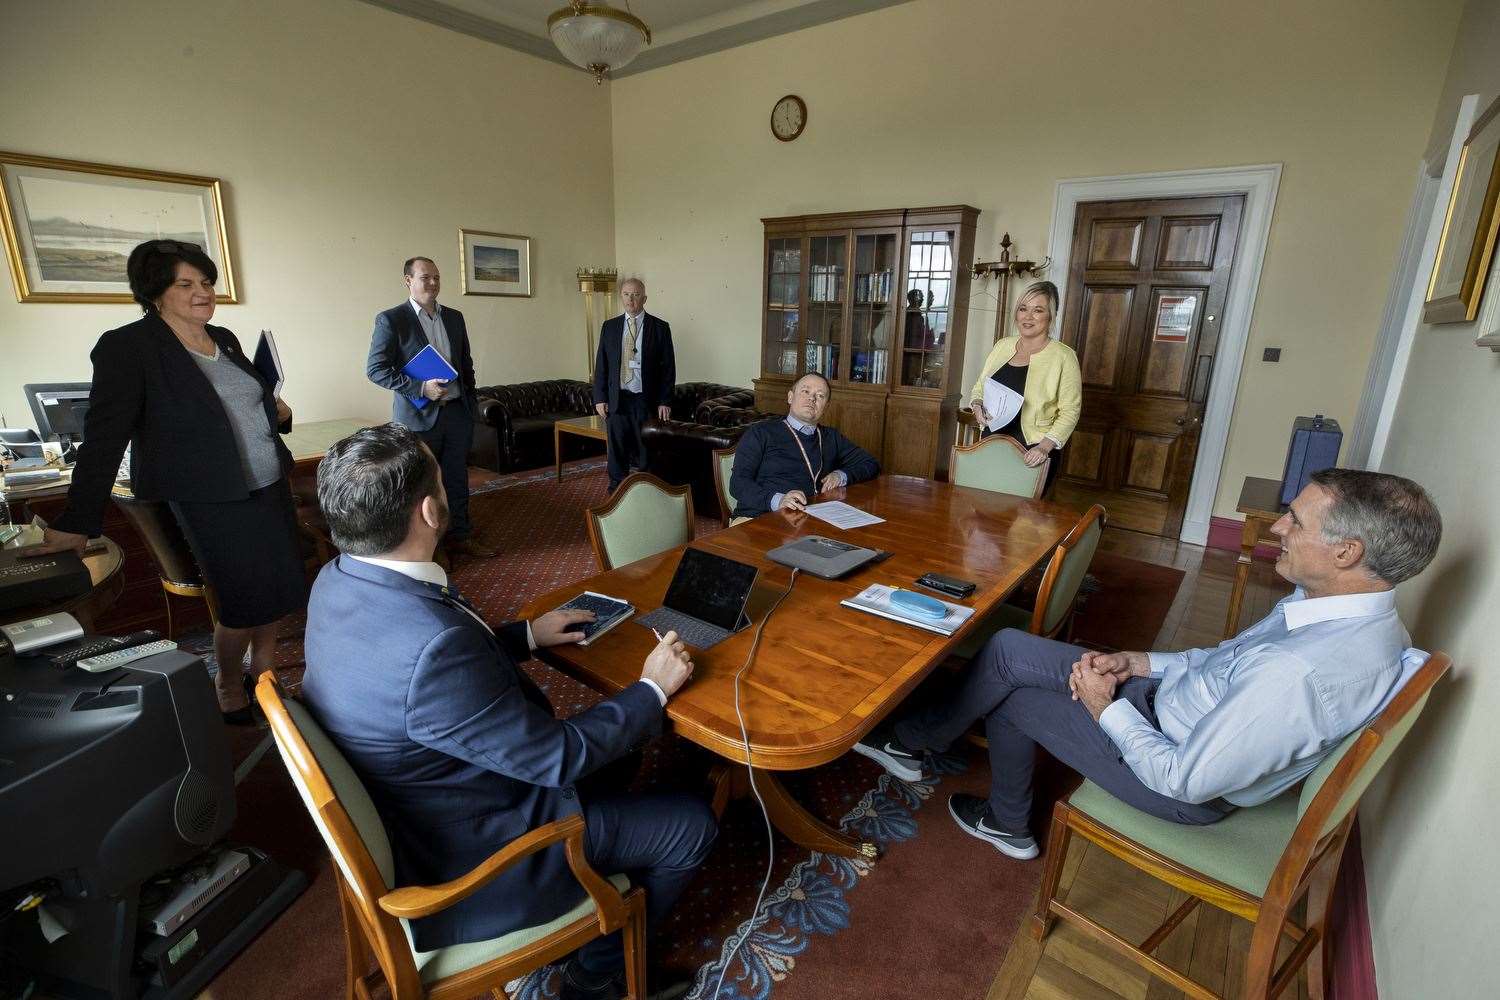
column 841, row 515
column 1001, row 403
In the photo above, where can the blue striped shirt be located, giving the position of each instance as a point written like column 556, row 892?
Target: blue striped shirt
column 1256, row 714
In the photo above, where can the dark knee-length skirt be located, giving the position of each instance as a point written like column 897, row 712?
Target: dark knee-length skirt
column 248, row 552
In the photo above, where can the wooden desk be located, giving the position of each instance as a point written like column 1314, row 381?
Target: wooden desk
column 584, row 427
column 107, row 581
column 824, row 674
column 1260, row 502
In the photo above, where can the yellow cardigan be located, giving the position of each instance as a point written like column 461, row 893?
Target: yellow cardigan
column 1054, row 389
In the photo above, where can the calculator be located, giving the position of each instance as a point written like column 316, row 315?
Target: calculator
column 608, row 612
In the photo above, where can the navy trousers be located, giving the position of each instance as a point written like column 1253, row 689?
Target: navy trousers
column 623, row 428
column 1019, row 686
column 450, row 439
column 659, row 840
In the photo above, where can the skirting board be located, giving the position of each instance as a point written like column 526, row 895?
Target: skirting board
column 1224, row 533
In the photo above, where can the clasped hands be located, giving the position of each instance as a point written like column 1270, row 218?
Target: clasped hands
column 1035, row 455
column 1096, row 676
column 796, row 500
column 668, row 665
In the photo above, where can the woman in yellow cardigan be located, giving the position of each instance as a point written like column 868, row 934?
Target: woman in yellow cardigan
column 1045, row 373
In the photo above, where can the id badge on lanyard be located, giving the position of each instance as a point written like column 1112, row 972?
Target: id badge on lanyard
column 805, row 460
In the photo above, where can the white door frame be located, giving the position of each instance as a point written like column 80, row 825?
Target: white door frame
column 1259, row 184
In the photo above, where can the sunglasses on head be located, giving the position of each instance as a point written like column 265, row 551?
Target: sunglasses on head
column 174, row 246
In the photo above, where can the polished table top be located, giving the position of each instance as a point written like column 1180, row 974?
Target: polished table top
column 824, row 674
column 310, row 441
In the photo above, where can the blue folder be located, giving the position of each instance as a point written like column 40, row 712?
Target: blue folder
column 425, row 364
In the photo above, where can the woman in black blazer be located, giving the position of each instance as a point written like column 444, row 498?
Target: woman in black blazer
column 203, row 428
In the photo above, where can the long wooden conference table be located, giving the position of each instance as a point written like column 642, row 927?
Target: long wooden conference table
column 824, row 674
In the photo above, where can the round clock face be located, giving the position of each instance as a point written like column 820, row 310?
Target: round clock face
column 788, row 118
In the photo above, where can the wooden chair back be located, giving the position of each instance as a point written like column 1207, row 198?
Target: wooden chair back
column 997, row 463
column 723, row 469
column 1058, row 592
column 351, row 828
column 645, row 516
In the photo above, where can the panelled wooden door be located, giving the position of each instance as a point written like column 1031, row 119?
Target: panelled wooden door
column 1146, row 293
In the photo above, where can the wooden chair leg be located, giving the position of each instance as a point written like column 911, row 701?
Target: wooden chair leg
column 1320, row 891
column 1260, row 963
column 1057, row 854
column 357, row 957
column 633, row 936
column 166, row 599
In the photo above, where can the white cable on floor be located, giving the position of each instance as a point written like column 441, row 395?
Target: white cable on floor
column 745, row 736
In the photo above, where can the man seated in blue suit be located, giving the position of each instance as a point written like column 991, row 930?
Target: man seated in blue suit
column 460, row 751
column 780, row 463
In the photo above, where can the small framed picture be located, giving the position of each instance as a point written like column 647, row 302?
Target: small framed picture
column 1470, row 227
column 69, row 226
column 495, row 263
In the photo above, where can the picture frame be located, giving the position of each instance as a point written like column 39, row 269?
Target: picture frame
column 1470, row 227
column 69, row 225
column 494, row 263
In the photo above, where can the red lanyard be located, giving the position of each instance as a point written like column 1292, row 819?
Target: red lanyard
column 805, row 460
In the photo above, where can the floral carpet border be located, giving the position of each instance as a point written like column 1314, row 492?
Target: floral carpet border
column 812, row 900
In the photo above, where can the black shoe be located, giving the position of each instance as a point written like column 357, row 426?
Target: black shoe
column 575, row 983
column 973, row 816
column 239, row 717
column 884, row 748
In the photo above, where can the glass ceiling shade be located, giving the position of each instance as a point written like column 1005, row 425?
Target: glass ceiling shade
column 597, row 37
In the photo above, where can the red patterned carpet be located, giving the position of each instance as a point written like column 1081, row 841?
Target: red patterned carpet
column 943, row 904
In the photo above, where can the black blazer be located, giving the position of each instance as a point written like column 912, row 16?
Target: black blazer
column 396, row 340
column 658, row 373
column 149, row 393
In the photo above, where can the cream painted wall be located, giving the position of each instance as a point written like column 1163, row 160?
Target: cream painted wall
column 1429, row 822
column 348, row 139
column 990, row 103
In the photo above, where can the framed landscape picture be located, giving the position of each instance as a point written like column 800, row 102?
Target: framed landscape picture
column 1469, row 228
column 494, row 263
column 69, row 226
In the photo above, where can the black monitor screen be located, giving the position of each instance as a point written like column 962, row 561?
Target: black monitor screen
column 65, row 414
column 710, row 588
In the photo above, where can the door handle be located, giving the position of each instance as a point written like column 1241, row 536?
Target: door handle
column 1185, row 422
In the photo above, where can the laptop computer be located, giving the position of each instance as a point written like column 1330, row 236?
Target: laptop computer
column 705, row 602
column 825, row 557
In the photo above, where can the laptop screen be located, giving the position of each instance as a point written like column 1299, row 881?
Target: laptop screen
column 710, row 588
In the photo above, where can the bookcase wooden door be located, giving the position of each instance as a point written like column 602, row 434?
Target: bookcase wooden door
column 877, row 303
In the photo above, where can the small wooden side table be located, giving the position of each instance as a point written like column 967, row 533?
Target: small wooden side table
column 1260, row 502
column 584, row 427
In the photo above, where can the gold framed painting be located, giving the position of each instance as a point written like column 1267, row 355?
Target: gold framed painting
column 1469, row 227
column 494, row 263
column 69, row 226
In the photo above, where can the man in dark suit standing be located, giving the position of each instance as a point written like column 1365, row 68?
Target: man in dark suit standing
column 634, row 374
column 446, row 423
column 460, row 751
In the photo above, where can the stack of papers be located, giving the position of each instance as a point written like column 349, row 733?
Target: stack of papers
column 842, row 515
column 876, row 600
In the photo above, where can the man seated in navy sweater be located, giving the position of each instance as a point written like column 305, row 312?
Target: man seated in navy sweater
column 778, row 464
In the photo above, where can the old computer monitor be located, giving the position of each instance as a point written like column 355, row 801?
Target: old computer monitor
column 59, row 409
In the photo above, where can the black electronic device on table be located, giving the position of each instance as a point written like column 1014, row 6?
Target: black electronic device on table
column 608, row 612
column 952, row 586
column 60, row 409
column 705, row 602
column 41, row 580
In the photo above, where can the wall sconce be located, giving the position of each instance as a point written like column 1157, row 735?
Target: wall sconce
column 598, row 287
column 1007, row 267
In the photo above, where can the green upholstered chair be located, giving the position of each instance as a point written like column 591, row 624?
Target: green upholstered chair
column 1257, row 863
column 376, row 928
column 997, row 463
column 1057, row 596
column 645, row 516
column 723, row 469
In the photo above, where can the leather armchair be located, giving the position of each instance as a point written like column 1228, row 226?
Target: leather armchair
column 705, row 416
column 513, row 425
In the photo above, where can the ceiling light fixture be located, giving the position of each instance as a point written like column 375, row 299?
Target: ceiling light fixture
column 598, row 37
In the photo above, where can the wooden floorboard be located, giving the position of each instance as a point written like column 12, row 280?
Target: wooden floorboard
column 1209, row 945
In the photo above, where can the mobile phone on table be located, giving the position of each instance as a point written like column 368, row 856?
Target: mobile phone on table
column 951, row 586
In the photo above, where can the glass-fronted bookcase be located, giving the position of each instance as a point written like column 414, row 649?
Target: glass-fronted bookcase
column 876, row 302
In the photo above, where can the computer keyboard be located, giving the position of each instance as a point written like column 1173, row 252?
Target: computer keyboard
column 692, row 631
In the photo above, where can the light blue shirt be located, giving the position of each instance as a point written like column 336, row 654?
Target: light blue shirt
column 437, row 335
column 806, row 431
column 1256, row 714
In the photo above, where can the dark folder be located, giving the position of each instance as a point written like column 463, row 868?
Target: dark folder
column 267, row 361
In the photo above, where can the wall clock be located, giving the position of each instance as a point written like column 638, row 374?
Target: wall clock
column 788, row 118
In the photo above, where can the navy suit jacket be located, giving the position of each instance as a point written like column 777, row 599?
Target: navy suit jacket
column 459, row 750
column 658, row 366
column 767, row 462
column 396, row 340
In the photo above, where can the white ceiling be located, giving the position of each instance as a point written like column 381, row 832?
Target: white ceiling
column 680, row 29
